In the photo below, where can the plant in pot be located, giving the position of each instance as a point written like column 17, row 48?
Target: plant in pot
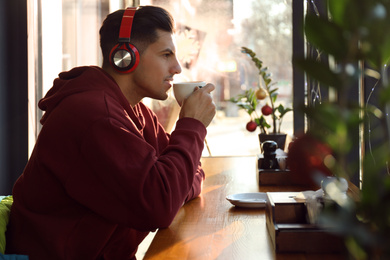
column 260, row 105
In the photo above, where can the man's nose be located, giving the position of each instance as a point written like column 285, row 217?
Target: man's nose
column 176, row 68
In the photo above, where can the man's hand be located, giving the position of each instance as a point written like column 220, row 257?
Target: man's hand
column 199, row 105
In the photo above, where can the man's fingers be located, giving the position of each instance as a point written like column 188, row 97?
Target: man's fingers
column 208, row 88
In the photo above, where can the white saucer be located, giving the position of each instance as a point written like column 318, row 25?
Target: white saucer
column 248, row 200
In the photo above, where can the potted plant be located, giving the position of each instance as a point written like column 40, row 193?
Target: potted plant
column 265, row 95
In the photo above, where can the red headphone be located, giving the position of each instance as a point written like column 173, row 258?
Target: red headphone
column 124, row 57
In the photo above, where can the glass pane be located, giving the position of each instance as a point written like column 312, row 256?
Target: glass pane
column 81, row 21
column 62, row 34
column 210, row 36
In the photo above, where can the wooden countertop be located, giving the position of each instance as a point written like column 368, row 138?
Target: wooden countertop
column 209, row 227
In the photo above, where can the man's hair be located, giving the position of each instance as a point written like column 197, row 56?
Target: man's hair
column 147, row 20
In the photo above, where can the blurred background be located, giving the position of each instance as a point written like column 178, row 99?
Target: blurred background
column 210, row 33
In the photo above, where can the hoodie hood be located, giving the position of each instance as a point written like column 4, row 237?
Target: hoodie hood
column 78, row 80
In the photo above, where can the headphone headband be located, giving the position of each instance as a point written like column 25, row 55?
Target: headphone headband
column 126, row 24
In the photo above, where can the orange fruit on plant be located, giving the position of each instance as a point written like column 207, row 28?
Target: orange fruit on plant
column 261, row 94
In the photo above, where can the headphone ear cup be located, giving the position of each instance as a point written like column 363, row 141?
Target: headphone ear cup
column 124, row 57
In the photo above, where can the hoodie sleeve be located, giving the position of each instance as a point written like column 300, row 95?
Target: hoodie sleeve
column 124, row 180
column 199, row 175
column 196, row 185
column 162, row 139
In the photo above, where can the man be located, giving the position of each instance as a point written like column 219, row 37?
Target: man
column 104, row 173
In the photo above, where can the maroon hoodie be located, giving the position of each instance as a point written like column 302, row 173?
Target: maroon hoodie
column 102, row 174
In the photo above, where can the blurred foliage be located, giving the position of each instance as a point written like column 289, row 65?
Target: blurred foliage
column 355, row 32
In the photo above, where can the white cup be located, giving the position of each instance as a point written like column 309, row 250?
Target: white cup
column 183, row 90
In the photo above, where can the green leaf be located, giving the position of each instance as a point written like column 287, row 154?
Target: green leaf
column 262, row 122
column 335, row 124
column 282, row 110
column 326, row 36
column 320, row 72
column 379, row 52
column 267, row 81
column 384, row 96
column 347, row 13
column 246, row 107
column 338, row 10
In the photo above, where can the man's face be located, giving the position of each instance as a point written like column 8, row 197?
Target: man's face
column 158, row 64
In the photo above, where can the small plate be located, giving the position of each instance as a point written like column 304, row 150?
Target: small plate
column 248, row 200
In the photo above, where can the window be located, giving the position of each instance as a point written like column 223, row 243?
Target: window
column 64, row 34
column 209, row 39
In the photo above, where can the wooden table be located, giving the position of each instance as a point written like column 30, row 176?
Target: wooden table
column 209, row 227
